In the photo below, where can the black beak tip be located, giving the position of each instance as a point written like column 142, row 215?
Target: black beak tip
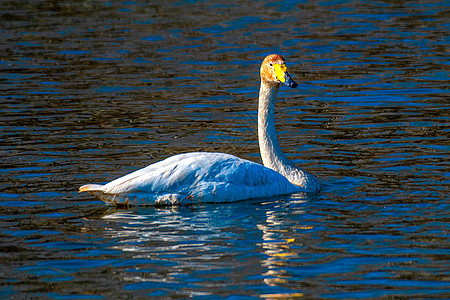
column 289, row 82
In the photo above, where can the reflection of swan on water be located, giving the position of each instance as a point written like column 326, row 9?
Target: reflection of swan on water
column 218, row 177
column 260, row 242
column 281, row 246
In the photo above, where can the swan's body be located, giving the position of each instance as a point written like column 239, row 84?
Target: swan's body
column 218, row 177
column 194, row 177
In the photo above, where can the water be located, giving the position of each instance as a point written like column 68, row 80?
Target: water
column 92, row 90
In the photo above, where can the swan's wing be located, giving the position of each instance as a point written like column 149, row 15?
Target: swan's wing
column 197, row 177
column 237, row 179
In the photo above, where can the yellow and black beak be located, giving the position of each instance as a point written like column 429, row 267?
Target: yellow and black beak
column 283, row 75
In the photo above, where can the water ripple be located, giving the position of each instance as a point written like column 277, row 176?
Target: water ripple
column 92, row 90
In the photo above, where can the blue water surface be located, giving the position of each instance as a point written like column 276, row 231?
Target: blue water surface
column 92, row 90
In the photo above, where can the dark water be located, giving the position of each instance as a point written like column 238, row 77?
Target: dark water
column 91, row 90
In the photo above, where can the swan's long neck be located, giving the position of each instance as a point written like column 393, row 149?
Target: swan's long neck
column 271, row 153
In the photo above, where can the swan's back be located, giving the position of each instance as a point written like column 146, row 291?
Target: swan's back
column 192, row 178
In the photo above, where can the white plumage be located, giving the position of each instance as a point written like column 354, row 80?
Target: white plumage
column 218, row 177
column 195, row 177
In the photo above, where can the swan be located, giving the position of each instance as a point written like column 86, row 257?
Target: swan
column 218, row 177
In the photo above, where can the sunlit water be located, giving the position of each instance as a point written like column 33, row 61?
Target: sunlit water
column 92, row 90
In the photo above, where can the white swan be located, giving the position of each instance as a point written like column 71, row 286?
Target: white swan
column 218, row 177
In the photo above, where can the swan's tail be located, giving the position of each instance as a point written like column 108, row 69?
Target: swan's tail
column 113, row 199
column 91, row 188
column 97, row 190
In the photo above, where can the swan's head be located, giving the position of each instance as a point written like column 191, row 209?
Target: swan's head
column 274, row 71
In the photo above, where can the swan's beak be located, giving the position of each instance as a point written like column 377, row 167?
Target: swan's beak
column 283, row 75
